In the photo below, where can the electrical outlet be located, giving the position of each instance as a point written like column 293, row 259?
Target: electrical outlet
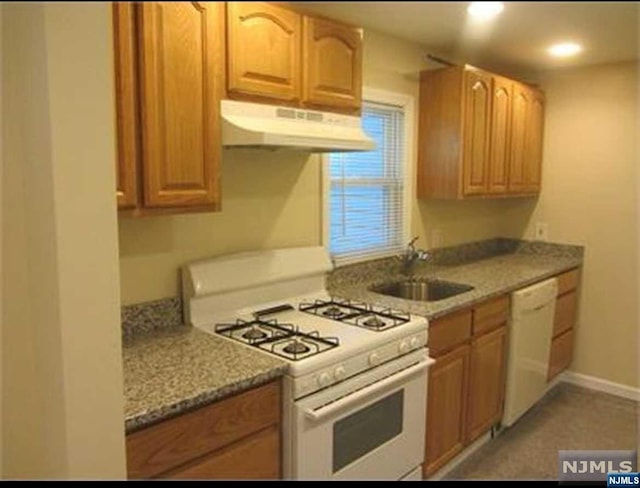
column 436, row 238
column 542, row 231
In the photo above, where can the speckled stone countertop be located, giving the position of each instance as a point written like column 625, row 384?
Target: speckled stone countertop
column 169, row 371
column 518, row 264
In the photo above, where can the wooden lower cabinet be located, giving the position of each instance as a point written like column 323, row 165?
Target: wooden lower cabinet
column 234, row 438
column 561, row 354
column 467, row 381
column 564, row 322
column 446, row 402
column 487, row 376
column 256, row 457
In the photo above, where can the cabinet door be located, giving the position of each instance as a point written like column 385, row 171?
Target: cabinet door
column 565, row 312
column 181, row 69
column 486, row 382
column 517, row 158
column 525, row 155
column 264, row 46
column 477, row 126
column 500, row 130
column 561, row 354
column 446, row 403
column 332, row 65
column 533, row 142
column 124, row 49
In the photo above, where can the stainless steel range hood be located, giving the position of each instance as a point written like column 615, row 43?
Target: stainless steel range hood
column 268, row 126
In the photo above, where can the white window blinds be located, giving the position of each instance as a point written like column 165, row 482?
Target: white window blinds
column 367, row 190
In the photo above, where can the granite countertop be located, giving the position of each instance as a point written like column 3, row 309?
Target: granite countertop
column 524, row 263
column 169, row 371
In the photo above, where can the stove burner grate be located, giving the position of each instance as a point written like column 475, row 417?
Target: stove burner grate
column 283, row 340
column 356, row 313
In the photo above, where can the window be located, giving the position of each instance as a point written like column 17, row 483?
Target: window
column 366, row 208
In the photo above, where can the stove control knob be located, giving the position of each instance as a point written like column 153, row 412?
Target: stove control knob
column 374, row 359
column 414, row 342
column 404, row 347
column 324, row 379
column 340, row 373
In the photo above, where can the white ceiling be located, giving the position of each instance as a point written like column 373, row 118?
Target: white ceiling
column 517, row 39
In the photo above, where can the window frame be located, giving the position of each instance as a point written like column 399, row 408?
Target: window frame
column 407, row 103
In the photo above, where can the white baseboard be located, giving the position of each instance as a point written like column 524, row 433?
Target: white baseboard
column 455, row 462
column 594, row 383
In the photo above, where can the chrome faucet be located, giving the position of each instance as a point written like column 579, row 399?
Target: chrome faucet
column 411, row 255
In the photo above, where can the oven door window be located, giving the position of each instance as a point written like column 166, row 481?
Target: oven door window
column 363, row 431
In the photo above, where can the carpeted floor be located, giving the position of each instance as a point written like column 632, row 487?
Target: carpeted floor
column 567, row 418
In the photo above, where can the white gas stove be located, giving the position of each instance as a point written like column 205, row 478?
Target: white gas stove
column 342, row 356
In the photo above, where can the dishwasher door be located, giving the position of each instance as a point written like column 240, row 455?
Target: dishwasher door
column 530, row 331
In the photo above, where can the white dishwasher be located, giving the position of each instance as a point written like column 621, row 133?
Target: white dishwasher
column 530, row 330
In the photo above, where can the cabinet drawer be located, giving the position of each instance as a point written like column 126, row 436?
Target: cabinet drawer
column 565, row 314
column 256, row 457
column 171, row 443
column 568, row 281
column 561, row 354
column 490, row 315
column 447, row 332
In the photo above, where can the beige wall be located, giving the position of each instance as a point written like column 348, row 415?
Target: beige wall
column 589, row 197
column 62, row 373
column 270, row 199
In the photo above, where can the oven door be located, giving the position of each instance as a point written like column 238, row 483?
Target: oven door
column 369, row 427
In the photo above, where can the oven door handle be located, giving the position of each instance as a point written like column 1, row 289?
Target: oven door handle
column 316, row 414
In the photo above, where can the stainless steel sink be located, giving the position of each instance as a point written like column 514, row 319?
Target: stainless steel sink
column 426, row 290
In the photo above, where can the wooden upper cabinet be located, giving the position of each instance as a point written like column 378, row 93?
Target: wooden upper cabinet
column 332, row 64
column 533, row 142
column 480, row 135
column 525, row 162
column 126, row 104
column 264, row 43
column 497, row 177
column 169, row 79
column 181, row 85
column 279, row 56
column 477, row 124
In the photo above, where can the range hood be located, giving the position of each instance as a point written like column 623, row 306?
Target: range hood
column 268, row 126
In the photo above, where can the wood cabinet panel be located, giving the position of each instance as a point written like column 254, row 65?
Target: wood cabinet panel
column 449, row 331
column 439, row 144
column 264, row 42
column 255, row 457
column 565, row 313
column 182, row 54
column 517, row 156
column 478, row 89
column 561, row 354
column 126, row 104
column 446, row 403
column 490, row 314
column 332, row 75
column 534, row 142
column 568, row 281
column 487, row 373
column 480, row 135
column 169, row 444
column 498, row 165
